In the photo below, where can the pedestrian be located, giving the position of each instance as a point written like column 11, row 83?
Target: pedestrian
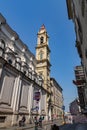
column 22, row 121
column 55, row 127
column 36, row 123
column 52, row 119
column 40, row 121
column 23, row 118
column 35, row 120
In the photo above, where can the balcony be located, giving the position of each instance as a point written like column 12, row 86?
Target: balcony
column 79, row 83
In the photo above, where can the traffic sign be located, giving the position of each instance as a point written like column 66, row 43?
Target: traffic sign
column 63, row 107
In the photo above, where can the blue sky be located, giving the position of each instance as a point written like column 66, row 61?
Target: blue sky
column 26, row 17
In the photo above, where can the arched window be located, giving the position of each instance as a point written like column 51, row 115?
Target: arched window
column 10, row 61
column 41, row 40
column 41, row 75
column 11, row 57
column 2, row 43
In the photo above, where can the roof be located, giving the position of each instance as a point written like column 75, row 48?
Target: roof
column 42, row 27
column 56, row 83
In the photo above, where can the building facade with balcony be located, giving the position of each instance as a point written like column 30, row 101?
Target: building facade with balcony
column 75, row 110
column 56, row 100
column 77, row 11
column 80, row 83
column 74, row 107
column 21, row 91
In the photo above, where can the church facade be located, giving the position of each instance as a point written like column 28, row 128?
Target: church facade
column 43, row 64
column 21, row 91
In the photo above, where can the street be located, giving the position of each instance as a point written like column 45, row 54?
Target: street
column 74, row 127
column 47, row 126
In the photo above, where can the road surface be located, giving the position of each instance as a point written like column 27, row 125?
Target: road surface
column 74, row 127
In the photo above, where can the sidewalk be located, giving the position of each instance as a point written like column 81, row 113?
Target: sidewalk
column 26, row 127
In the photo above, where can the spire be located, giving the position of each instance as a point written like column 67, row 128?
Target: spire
column 42, row 27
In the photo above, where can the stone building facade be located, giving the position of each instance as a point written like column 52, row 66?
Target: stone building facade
column 21, row 91
column 80, row 84
column 77, row 11
column 56, row 100
column 53, row 90
column 75, row 110
column 25, row 86
column 43, row 64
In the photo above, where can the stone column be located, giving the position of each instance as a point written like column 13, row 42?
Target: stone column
column 40, row 101
column 49, row 114
column 1, row 68
column 44, row 97
column 15, row 100
column 30, row 100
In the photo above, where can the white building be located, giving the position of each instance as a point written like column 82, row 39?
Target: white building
column 68, row 118
column 21, row 91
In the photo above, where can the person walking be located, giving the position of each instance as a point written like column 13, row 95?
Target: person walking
column 36, row 123
column 40, row 122
column 55, row 127
column 22, row 121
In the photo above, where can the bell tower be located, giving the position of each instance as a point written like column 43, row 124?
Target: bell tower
column 43, row 57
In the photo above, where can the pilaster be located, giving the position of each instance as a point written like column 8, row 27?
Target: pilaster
column 1, row 68
column 30, row 99
column 15, row 100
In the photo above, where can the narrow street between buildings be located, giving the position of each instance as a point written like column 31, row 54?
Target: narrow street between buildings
column 45, row 126
column 76, row 126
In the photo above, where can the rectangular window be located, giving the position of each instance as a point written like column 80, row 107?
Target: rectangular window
column 2, row 119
